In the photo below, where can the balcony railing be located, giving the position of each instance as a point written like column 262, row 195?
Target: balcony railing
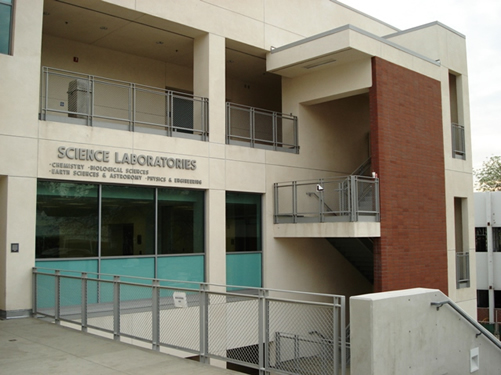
column 102, row 102
column 260, row 128
column 458, row 142
column 352, row 198
column 463, row 269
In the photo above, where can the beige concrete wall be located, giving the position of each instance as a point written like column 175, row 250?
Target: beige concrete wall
column 18, row 195
column 401, row 333
column 59, row 53
column 262, row 23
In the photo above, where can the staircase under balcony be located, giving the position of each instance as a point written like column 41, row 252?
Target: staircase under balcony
column 342, row 210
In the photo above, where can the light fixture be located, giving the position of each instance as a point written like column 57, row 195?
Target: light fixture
column 317, row 64
column 103, row 28
column 320, row 188
column 159, row 42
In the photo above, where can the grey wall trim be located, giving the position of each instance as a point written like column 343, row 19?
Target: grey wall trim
column 365, row 15
column 363, row 32
column 12, row 314
column 426, row 25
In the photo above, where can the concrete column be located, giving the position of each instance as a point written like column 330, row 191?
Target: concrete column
column 216, row 237
column 17, row 226
column 209, row 81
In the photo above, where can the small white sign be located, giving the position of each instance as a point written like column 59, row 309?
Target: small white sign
column 180, row 299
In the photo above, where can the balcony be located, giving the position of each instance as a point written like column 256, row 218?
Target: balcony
column 345, row 199
column 260, row 128
column 88, row 100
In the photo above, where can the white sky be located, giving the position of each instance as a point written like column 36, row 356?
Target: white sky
column 480, row 22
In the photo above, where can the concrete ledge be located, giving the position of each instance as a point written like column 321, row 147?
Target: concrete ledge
column 328, row 230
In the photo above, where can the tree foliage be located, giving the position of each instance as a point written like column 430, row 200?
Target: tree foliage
column 489, row 175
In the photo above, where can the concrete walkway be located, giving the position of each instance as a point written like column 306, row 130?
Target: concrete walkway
column 33, row 346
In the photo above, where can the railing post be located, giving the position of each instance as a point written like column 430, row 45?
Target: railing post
column 205, row 123
column 84, row 302
column 132, row 107
column 44, row 112
column 376, row 198
column 116, row 307
column 155, row 315
column 262, row 332
column 275, row 205
column 92, row 88
column 296, row 136
column 321, row 211
column 228, row 122
column 354, row 198
column 34, row 292
column 342, row 331
column 204, row 326
column 294, row 201
column 252, row 129
column 170, row 100
column 275, row 130
column 57, row 297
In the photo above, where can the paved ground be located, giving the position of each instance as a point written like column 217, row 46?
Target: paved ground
column 32, row 346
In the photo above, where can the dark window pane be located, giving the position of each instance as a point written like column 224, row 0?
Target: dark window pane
column 496, row 239
column 243, row 222
column 180, row 221
column 128, row 217
column 67, row 220
column 481, row 239
column 5, row 27
column 482, row 298
column 497, row 299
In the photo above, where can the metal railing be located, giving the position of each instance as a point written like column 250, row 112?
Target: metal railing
column 227, row 323
column 458, row 141
column 482, row 330
column 352, row 198
column 103, row 102
column 463, row 269
column 260, row 128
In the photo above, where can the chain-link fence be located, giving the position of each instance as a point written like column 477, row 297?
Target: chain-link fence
column 271, row 331
column 102, row 102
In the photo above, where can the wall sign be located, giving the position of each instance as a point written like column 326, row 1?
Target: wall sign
column 74, row 161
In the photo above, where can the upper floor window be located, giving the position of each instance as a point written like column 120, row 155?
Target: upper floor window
column 457, row 129
column 5, row 26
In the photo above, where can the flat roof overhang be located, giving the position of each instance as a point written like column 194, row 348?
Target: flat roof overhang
column 335, row 47
column 328, row 230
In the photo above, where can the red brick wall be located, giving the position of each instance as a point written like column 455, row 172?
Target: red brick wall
column 408, row 155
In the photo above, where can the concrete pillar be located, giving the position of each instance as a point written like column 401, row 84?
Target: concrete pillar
column 17, row 226
column 209, row 81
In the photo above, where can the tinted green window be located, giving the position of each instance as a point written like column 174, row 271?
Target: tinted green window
column 67, row 220
column 243, row 222
column 128, row 220
column 5, row 26
column 180, row 221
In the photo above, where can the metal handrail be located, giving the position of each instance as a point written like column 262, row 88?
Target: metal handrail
column 473, row 322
